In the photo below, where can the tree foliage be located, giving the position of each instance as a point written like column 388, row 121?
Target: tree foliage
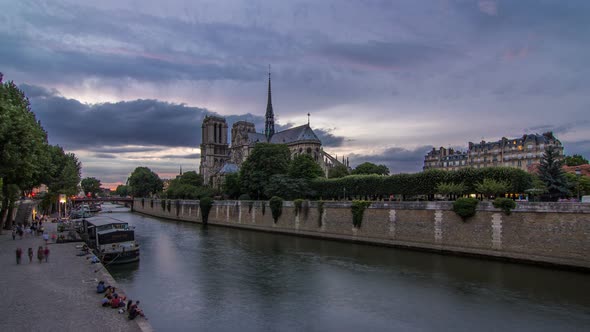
column 289, row 188
column 449, row 188
column 304, row 167
column 62, row 173
column 187, row 186
column 505, row 204
column 491, row 187
column 91, row 186
column 143, row 182
column 231, row 185
column 264, row 161
column 23, row 146
column 338, row 171
column 205, row 203
column 122, row 190
column 424, row 183
column 370, row 168
column 575, row 160
column 552, row 175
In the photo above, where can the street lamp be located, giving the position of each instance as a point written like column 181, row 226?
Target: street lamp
column 578, row 175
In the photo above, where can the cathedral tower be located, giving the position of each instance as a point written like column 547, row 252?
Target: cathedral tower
column 214, row 146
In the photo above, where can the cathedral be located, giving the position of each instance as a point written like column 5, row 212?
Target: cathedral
column 219, row 158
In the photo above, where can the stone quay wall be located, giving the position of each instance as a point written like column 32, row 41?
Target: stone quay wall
column 544, row 233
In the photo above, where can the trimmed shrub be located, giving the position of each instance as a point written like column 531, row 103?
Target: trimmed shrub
column 151, row 203
column 276, row 207
column 143, row 202
column 358, row 209
column 465, row 207
column 169, row 205
column 505, row 204
column 177, row 207
column 163, row 203
column 205, row 203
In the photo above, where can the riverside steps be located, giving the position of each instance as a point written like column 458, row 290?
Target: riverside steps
column 59, row 295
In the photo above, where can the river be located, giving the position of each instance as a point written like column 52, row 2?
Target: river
column 223, row 279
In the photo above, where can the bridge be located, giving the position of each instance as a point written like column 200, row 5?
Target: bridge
column 102, row 199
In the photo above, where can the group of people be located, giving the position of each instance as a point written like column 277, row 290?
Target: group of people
column 112, row 300
column 42, row 253
column 36, row 228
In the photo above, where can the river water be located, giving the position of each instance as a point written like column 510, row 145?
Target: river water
column 223, row 279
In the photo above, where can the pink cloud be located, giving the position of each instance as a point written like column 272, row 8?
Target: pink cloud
column 489, row 7
column 514, row 54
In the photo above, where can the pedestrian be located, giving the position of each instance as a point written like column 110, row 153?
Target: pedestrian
column 19, row 253
column 45, row 237
column 13, row 233
column 46, row 253
column 40, row 254
column 30, row 255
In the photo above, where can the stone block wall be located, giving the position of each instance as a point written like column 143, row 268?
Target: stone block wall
column 550, row 233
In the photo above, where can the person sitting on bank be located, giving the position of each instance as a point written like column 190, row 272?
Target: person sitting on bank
column 106, row 301
column 101, row 288
column 135, row 311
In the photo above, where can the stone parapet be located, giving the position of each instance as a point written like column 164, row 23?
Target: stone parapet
column 546, row 233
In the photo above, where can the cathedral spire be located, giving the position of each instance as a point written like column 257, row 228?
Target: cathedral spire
column 269, row 128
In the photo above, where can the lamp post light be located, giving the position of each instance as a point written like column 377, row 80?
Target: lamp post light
column 578, row 175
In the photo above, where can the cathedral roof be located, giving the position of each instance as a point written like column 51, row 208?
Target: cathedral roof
column 256, row 138
column 292, row 135
column 229, row 168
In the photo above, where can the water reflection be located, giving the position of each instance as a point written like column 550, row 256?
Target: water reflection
column 221, row 279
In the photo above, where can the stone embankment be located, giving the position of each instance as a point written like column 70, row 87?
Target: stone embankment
column 544, row 233
column 58, row 295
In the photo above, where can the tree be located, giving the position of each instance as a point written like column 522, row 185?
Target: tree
column 231, row 185
column 190, row 178
column 575, row 160
column 338, row 171
column 143, row 182
column 370, row 168
column 448, row 188
column 286, row 187
column 552, row 175
column 304, row 167
column 62, row 173
column 265, row 161
column 122, row 190
column 23, row 153
column 489, row 187
column 90, row 186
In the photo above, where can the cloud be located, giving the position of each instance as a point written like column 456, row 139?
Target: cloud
column 489, row 7
column 104, row 156
column 397, row 159
column 386, row 54
column 187, row 156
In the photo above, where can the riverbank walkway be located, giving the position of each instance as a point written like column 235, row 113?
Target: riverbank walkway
column 59, row 295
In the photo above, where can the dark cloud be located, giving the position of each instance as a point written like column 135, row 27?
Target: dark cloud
column 117, row 149
column 131, row 126
column 185, row 156
column 557, row 129
column 386, row 54
column 579, row 147
column 104, row 156
column 398, row 160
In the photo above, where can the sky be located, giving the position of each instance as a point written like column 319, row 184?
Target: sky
column 124, row 83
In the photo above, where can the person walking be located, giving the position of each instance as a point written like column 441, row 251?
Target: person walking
column 40, row 254
column 19, row 253
column 46, row 253
column 45, row 237
column 30, row 255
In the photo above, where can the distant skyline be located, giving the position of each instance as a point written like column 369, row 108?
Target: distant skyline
column 127, row 83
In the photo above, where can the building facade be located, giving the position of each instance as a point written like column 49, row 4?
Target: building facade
column 220, row 157
column 521, row 152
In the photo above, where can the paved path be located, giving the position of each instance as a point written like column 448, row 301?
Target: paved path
column 56, row 296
